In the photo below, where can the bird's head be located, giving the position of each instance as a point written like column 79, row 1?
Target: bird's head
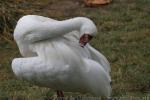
column 88, row 30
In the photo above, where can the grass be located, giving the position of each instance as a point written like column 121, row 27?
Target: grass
column 123, row 37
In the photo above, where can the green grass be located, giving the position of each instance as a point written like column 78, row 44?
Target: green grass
column 123, row 37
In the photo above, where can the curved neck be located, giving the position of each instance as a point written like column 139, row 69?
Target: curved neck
column 65, row 26
column 52, row 29
column 81, row 24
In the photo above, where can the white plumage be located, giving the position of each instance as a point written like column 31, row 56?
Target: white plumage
column 52, row 56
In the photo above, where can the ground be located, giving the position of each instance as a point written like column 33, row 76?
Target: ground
column 123, row 37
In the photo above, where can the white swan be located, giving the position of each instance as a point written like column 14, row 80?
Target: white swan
column 53, row 57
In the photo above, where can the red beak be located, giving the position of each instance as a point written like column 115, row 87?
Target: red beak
column 84, row 39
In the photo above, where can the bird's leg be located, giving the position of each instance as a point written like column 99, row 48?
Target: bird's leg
column 85, row 38
column 60, row 94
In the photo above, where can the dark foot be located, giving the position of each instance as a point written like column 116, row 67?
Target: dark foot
column 60, row 95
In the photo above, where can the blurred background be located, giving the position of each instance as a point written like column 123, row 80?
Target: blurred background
column 123, row 37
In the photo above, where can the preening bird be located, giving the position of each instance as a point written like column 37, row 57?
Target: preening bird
column 56, row 55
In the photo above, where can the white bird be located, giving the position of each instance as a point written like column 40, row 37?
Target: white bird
column 53, row 57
